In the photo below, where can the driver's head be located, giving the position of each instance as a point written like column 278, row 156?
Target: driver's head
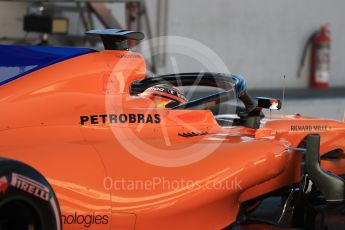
column 165, row 95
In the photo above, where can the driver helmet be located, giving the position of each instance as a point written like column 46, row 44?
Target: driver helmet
column 165, row 95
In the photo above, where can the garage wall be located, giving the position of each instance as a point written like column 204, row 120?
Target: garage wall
column 261, row 39
column 11, row 19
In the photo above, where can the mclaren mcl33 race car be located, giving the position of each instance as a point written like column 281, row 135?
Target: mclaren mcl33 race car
column 86, row 144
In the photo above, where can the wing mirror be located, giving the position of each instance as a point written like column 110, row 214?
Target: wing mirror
column 269, row 103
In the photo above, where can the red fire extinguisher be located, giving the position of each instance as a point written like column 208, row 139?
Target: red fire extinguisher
column 320, row 43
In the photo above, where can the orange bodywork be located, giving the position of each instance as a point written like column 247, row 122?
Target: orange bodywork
column 138, row 172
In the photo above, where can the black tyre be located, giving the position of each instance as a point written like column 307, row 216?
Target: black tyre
column 27, row 201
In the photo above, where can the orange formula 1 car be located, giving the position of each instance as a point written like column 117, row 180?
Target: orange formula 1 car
column 86, row 144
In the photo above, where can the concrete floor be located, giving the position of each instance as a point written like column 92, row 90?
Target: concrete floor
column 332, row 108
column 329, row 103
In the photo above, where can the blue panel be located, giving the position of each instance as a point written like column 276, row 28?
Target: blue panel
column 240, row 83
column 17, row 61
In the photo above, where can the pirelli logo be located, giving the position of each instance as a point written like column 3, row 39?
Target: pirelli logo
column 30, row 186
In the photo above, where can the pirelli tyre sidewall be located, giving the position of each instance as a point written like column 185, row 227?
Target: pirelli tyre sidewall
column 27, row 201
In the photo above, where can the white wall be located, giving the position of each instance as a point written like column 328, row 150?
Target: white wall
column 262, row 39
